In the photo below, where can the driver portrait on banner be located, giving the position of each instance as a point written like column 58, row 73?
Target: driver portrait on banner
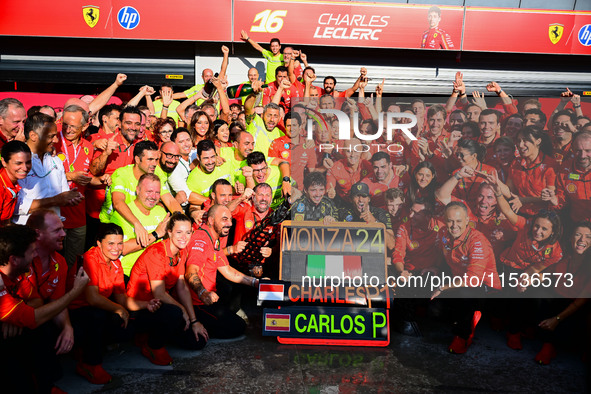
column 435, row 37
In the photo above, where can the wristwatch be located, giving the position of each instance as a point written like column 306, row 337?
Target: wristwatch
column 155, row 234
column 286, row 179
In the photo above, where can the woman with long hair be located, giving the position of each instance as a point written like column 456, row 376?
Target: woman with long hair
column 533, row 173
column 573, row 290
column 423, row 183
column 200, row 127
column 159, row 273
column 536, row 248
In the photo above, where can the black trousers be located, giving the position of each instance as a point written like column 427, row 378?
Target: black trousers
column 161, row 326
column 28, row 363
column 220, row 321
column 93, row 328
column 462, row 302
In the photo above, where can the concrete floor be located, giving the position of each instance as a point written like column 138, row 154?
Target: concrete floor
column 410, row 364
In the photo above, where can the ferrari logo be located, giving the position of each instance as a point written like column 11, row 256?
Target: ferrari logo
column 555, row 32
column 91, row 15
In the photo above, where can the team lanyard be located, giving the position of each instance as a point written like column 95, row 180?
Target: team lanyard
column 535, row 166
column 76, row 153
column 462, row 243
column 178, row 256
column 216, row 244
column 46, row 174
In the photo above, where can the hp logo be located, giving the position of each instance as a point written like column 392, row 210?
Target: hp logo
column 585, row 35
column 128, row 17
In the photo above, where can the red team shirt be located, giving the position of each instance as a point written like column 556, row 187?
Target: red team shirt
column 342, row 177
column 418, row 252
column 51, row 284
column 573, row 187
column 281, row 148
column 436, row 38
column 467, row 188
column 473, row 255
column 207, row 258
column 526, row 252
column 155, row 264
column 439, row 162
column 8, row 196
column 577, row 286
column 246, row 219
column 121, row 157
column 13, row 308
column 530, row 180
column 377, row 190
column 108, row 277
column 499, row 231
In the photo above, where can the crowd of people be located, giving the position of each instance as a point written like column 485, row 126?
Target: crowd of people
column 134, row 222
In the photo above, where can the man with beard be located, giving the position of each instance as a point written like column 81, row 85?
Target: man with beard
column 222, row 194
column 205, row 261
column 573, row 183
column 169, row 158
column 152, row 217
column 362, row 211
column 205, row 174
column 330, row 83
column 124, row 182
column 232, row 159
column 563, row 128
column 263, row 129
column 314, row 205
column 117, row 152
column 46, row 185
column 383, row 178
column 50, row 271
column 247, row 216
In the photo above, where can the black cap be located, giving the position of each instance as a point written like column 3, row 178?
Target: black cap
column 359, row 188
